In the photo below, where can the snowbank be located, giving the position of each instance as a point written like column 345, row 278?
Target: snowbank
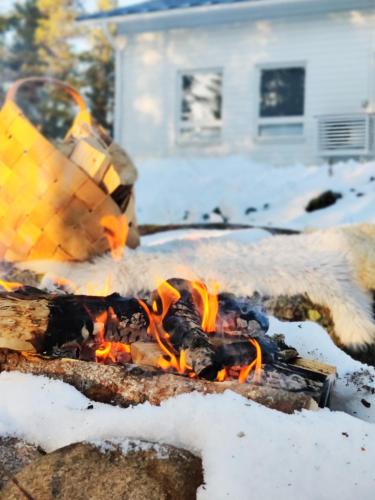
column 188, row 190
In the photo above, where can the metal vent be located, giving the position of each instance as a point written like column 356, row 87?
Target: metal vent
column 345, row 135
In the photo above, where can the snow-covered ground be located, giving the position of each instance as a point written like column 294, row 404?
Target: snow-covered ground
column 189, row 190
column 248, row 451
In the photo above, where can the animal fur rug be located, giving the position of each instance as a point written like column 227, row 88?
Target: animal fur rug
column 334, row 267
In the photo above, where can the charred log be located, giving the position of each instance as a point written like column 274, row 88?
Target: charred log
column 31, row 320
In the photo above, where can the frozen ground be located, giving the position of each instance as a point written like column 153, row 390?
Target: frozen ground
column 189, row 190
column 248, row 451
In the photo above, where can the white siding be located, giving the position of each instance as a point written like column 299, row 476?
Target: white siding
column 337, row 50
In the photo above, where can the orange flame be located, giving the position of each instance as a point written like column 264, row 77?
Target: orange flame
column 10, row 286
column 168, row 296
column 221, row 375
column 107, row 350
column 116, row 230
column 111, row 350
column 207, row 305
column 254, row 365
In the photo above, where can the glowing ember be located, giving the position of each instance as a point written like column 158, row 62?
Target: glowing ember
column 116, row 230
column 112, row 351
column 10, row 286
column 207, row 304
column 221, row 375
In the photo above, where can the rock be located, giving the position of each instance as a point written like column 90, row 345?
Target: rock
column 299, row 308
column 135, row 470
column 14, row 455
column 250, row 210
column 324, row 200
column 218, row 211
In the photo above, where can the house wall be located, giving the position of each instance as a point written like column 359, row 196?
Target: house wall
column 337, row 49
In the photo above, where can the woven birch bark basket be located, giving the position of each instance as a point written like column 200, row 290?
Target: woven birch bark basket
column 53, row 197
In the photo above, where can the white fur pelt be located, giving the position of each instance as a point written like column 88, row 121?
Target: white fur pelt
column 334, row 267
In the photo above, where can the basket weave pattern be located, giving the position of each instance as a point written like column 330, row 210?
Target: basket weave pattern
column 50, row 208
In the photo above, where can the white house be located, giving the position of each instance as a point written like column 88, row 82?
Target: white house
column 281, row 81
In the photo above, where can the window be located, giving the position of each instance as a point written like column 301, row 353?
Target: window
column 200, row 107
column 282, row 97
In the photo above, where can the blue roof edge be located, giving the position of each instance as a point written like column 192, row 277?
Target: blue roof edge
column 154, row 6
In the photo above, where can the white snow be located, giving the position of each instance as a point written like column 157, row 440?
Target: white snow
column 184, row 190
column 248, row 451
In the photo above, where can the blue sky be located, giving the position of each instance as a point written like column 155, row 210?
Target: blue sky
column 5, row 5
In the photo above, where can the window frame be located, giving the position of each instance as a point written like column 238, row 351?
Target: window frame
column 280, row 120
column 180, row 125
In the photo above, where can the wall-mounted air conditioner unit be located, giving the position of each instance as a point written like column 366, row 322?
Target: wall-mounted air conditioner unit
column 350, row 135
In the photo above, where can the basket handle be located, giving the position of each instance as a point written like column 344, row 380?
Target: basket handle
column 11, row 94
column 82, row 119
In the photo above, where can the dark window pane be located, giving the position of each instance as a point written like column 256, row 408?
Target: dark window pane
column 201, row 97
column 282, row 92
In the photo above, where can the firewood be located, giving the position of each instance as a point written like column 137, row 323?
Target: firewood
column 33, row 321
column 131, row 385
column 184, row 327
column 145, row 353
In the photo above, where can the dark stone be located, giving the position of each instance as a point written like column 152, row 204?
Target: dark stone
column 324, row 200
column 14, row 455
column 217, row 211
column 82, row 471
column 250, row 210
column 205, row 216
column 359, row 195
column 266, row 206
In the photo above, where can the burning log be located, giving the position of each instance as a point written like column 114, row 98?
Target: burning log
column 34, row 321
column 131, row 385
column 177, row 330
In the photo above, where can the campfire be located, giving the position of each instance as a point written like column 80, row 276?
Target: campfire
column 181, row 327
column 182, row 336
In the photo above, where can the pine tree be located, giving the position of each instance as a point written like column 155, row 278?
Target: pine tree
column 45, row 40
column 3, row 54
column 54, row 36
column 98, row 76
column 22, row 54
